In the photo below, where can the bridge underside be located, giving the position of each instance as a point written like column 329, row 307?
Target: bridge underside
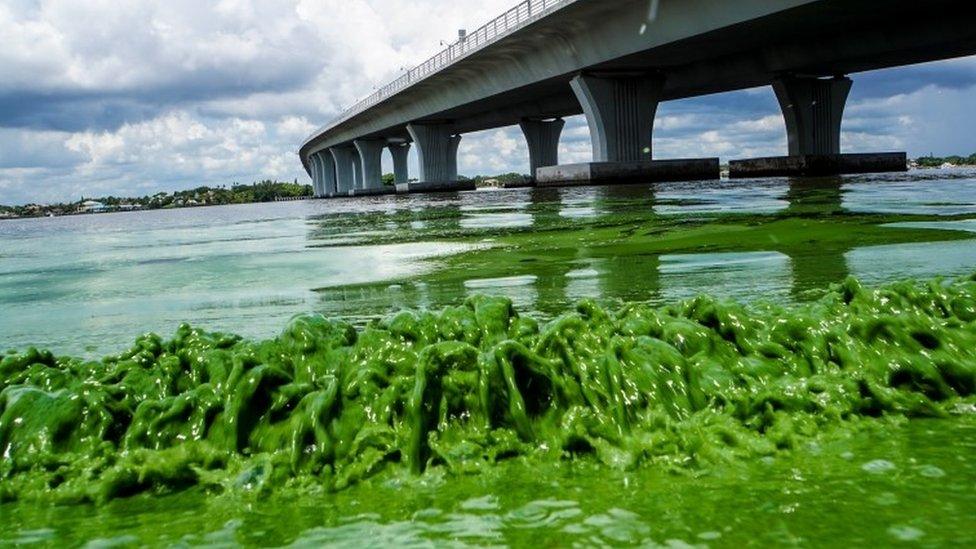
column 529, row 75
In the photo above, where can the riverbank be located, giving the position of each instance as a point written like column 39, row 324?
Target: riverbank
column 602, row 283
column 262, row 191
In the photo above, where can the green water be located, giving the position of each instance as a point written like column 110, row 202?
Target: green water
column 681, row 453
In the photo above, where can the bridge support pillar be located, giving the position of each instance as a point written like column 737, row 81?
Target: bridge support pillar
column 346, row 159
column 400, row 152
column 542, row 138
column 437, row 147
column 813, row 109
column 620, row 112
column 315, row 168
column 325, row 179
column 357, row 171
column 371, row 166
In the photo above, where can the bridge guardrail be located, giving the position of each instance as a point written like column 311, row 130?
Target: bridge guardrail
column 489, row 33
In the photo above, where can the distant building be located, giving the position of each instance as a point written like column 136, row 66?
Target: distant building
column 91, row 206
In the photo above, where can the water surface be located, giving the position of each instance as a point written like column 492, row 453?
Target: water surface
column 87, row 285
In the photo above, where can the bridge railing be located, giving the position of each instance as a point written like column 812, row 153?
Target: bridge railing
column 496, row 29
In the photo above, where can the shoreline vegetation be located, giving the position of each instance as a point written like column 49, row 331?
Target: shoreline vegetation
column 325, row 405
column 272, row 191
column 260, row 191
column 953, row 161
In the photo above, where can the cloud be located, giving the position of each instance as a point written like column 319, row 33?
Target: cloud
column 108, row 97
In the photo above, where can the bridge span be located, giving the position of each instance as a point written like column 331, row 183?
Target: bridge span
column 614, row 61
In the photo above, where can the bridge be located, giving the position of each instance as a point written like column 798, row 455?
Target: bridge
column 614, row 61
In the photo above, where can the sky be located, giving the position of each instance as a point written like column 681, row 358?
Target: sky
column 133, row 97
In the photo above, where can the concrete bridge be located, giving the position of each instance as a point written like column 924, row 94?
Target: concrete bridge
column 614, row 61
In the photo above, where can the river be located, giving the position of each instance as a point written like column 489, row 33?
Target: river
column 88, row 285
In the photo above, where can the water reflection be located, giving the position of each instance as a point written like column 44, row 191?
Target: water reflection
column 816, row 197
column 249, row 268
column 566, row 272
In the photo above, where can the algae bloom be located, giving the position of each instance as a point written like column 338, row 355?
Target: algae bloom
column 328, row 405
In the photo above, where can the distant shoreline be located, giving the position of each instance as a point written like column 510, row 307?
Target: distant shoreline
column 256, row 193
column 274, row 191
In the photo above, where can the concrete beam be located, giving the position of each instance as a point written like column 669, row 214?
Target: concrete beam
column 437, row 150
column 371, row 162
column 345, row 163
column 813, row 109
column 704, row 46
column 542, row 138
column 400, row 152
column 620, row 112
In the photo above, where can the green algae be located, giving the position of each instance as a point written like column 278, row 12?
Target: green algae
column 326, row 405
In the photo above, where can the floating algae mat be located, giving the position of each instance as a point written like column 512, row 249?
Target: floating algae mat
column 689, row 385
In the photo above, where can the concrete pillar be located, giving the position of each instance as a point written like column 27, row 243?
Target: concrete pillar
column 543, row 140
column 620, row 112
column 813, row 109
column 370, row 162
column 345, row 160
column 357, row 169
column 327, row 178
column 316, row 170
column 437, row 151
column 452, row 165
column 400, row 152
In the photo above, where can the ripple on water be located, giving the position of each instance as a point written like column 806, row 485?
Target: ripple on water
column 617, row 525
column 905, row 533
column 931, row 471
column 485, row 503
column 878, row 466
column 543, row 513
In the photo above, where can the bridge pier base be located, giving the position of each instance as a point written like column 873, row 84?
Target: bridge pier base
column 437, row 147
column 400, row 153
column 346, row 159
column 371, row 167
column 818, row 165
column 813, row 109
column 542, row 137
column 610, row 173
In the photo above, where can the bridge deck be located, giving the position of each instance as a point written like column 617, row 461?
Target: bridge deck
column 522, row 69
